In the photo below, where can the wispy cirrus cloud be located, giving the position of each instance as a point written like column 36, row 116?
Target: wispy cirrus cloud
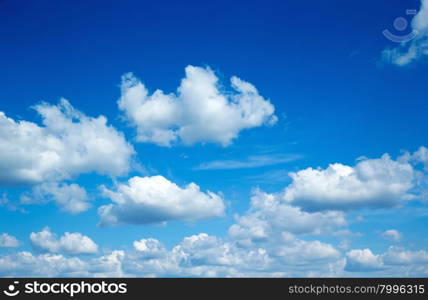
column 253, row 161
column 271, row 177
column 392, row 235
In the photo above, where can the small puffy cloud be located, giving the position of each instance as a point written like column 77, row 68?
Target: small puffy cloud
column 361, row 260
column 379, row 182
column 392, row 235
column 8, row 241
column 420, row 156
column 416, row 48
column 71, row 198
column 68, row 144
column 69, row 243
column 204, row 249
column 150, row 248
column 145, row 200
column 401, row 256
column 109, row 265
column 299, row 252
column 396, row 261
column 200, row 111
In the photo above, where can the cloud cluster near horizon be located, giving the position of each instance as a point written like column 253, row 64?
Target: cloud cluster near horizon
column 265, row 241
column 299, row 230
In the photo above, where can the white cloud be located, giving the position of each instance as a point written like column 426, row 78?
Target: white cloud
column 203, row 249
column 363, row 260
column 69, row 243
column 396, row 261
column 401, row 256
column 416, row 48
column 109, row 265
column 259, row 244
column 150, row 248
column 71, row 198
column 421, row 156
column 201, row 111
column 264, row 242
column 379, row 182
column 69, row 143
column 8, row 241
column 26, row 264
column 308, row 252
column 299, row 252
column 269, row 216
column 278, row 253
column 251, row 162
column 203, row 255
column 155, row 199
column 392, row 235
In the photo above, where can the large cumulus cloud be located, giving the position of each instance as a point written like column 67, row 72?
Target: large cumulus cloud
column 67, row 144
column 200, row 111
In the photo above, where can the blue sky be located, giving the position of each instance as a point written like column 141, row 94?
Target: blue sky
column 315, row 84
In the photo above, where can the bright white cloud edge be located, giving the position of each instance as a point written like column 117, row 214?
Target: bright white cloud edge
column 199, row 112
column 155, row 199
column 68, row 144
